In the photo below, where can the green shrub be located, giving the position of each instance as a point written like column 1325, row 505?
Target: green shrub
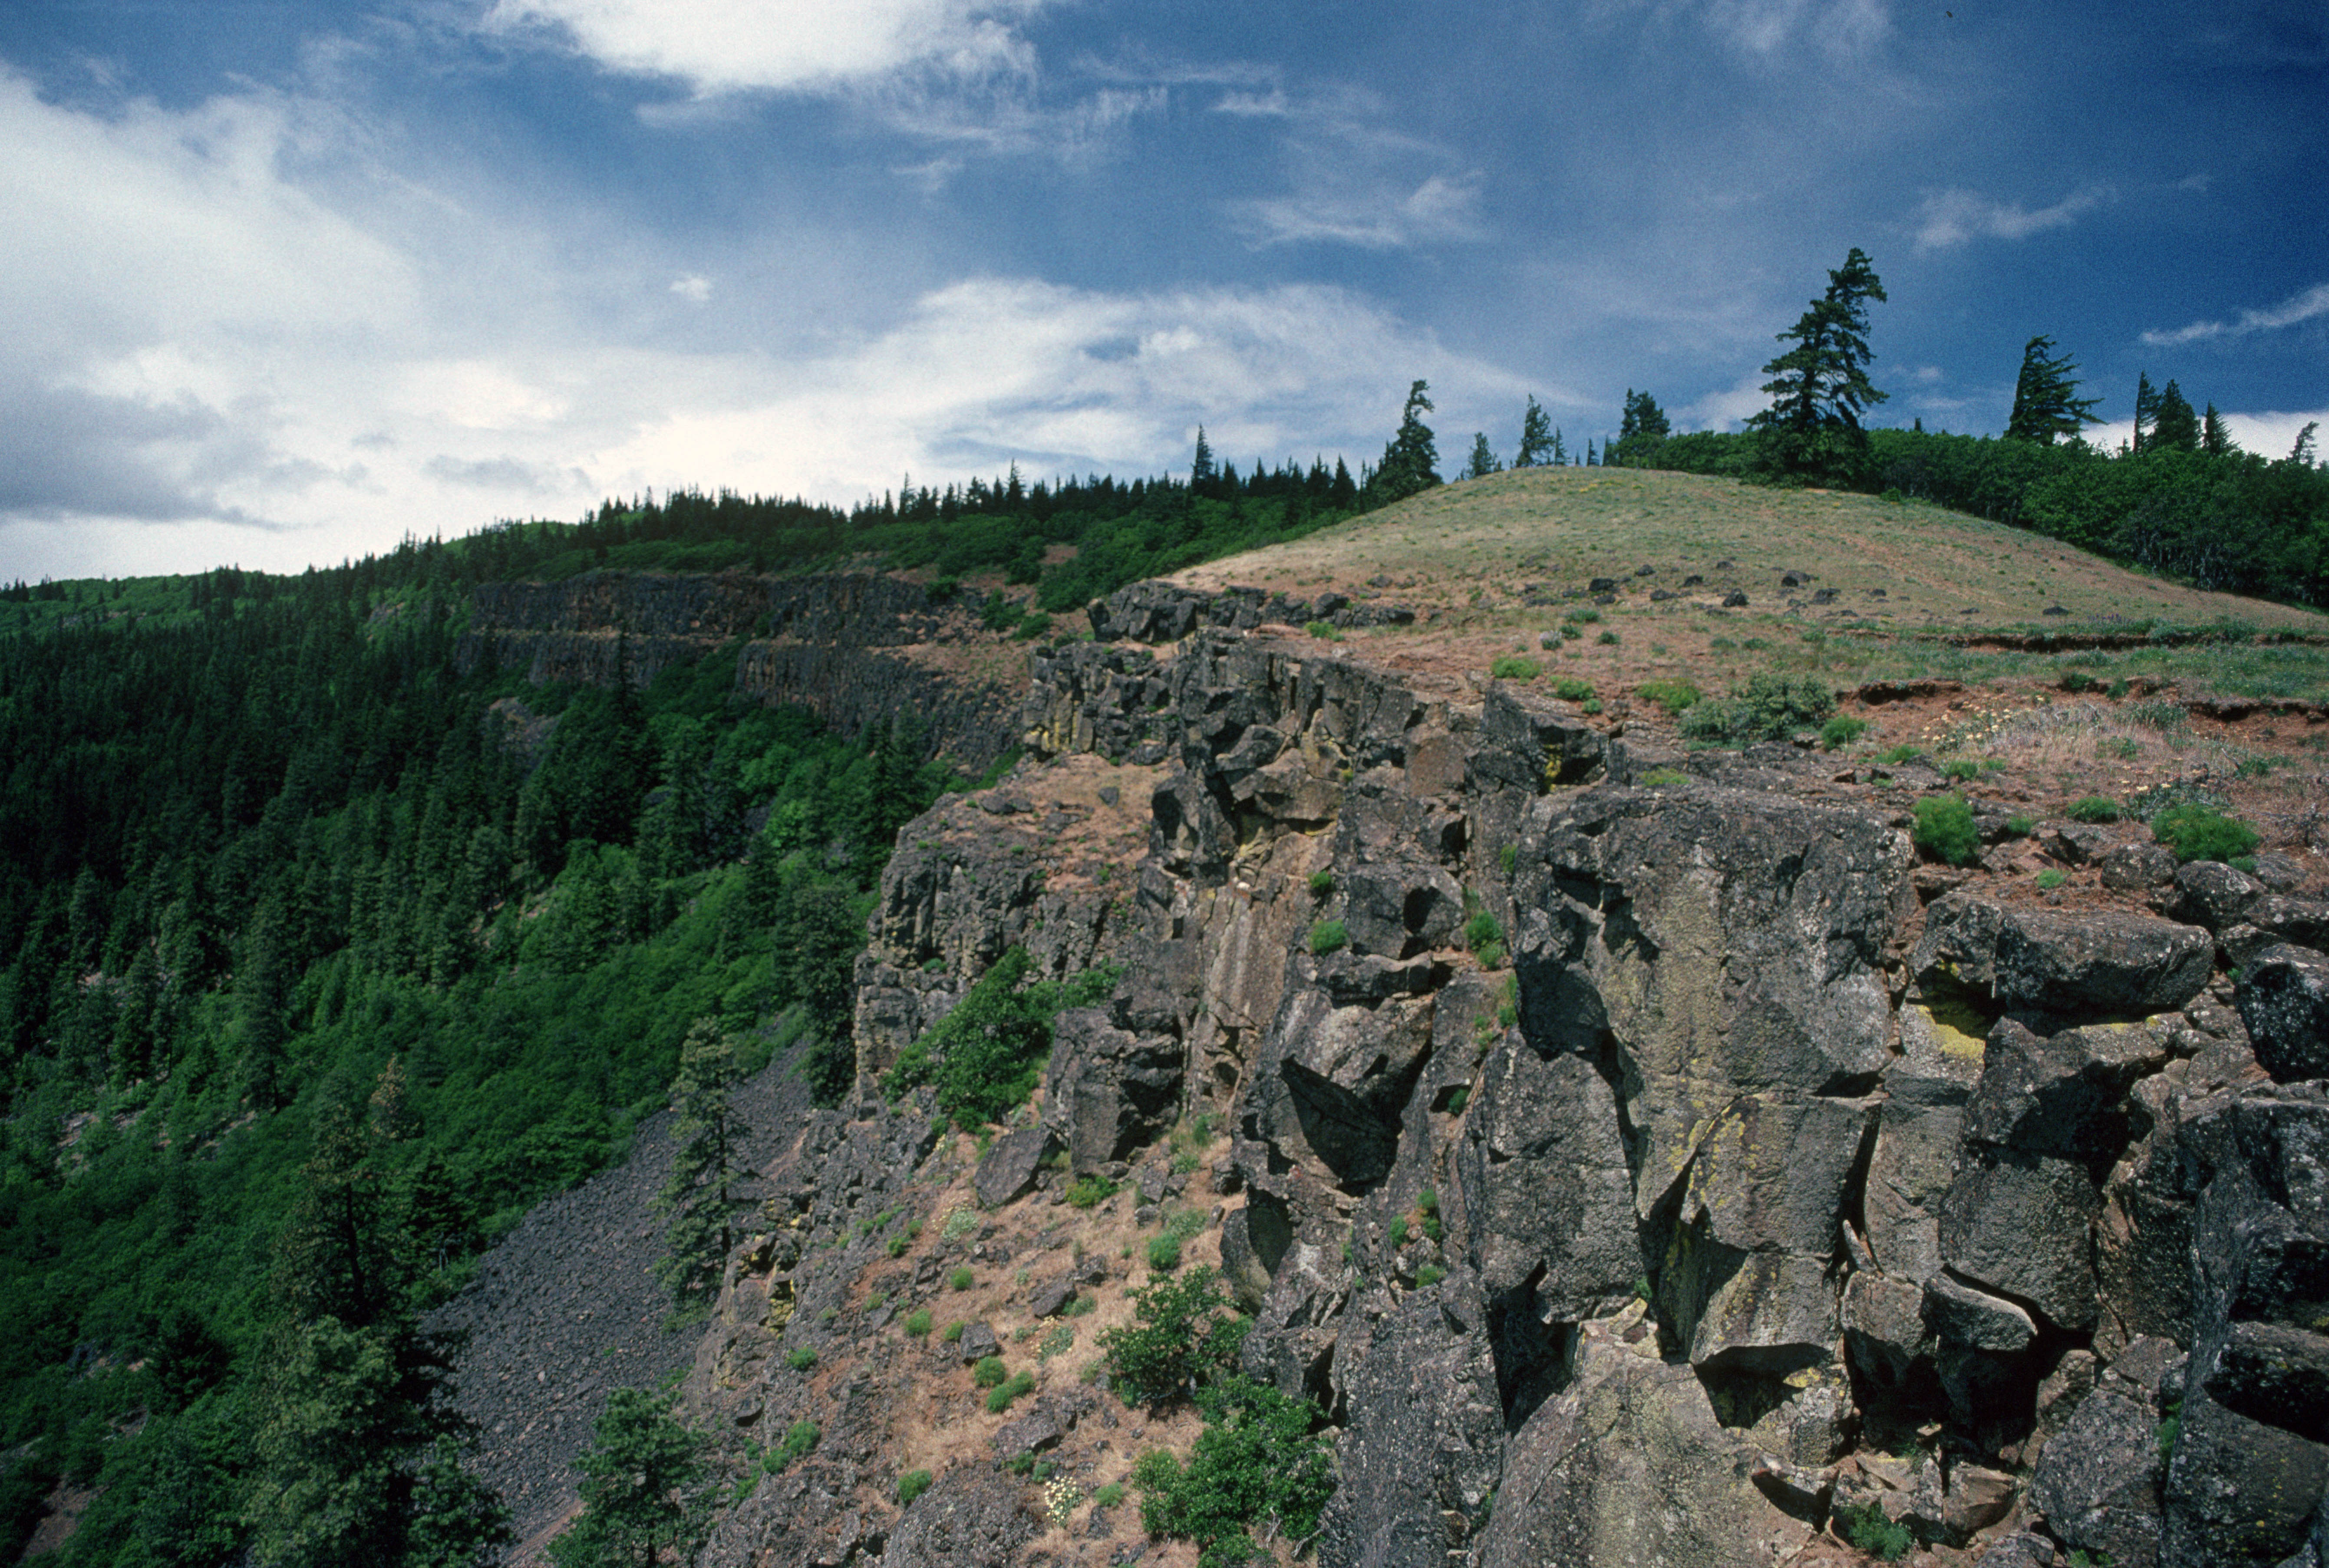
column 1508, row 858
column 2051, row 879
column 801, row 1359
column 2093, row 809
column 1429, row 1274
column 952, row 1333
column 1607, row 639
column 1322, row 629
column 1769, row 707
column 1659, row 778
column 960, row 1279
column 1428, row 1200
column 1321, row 883
column 988, row 1372
column 1841, row 731
column 1398, row 1232
column 912, row 1485
column 896, row 1246
column 1108, row 1496
column 1460, row 1099
column 1164, row 1253
column 999, row 1398
column 1673, row 696
column 1961, row 767
column 918, row 1321
column 986, row 1056
column 1515, row 667
column 1945, row 829
column 1481, row 930
column 1328, row 936
column 1183, row 1332
column 1867, row 1528
column 2198, row 833
column 1032, row 627
column 1569, row 688
column 1587, row 615
column 2021, row 827
column 800, row 1438
column 1258, row 1461
column 1893, row 756
column 1091, row 1190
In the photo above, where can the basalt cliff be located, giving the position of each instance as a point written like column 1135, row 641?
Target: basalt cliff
column 1640, row 1154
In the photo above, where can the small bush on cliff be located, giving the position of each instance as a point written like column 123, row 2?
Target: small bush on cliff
column 1945, row 829
column 1867, row 1528
column 1328, row 936
column 1515, row 667
column 1258, row 1462
column 986, row 1056
column 2198, row 833
column 1841, row 731
column 912, row 1485
column 1182, row 1335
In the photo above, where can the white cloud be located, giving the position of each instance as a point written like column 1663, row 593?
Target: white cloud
column 1442, row 209
column 692, row 287
column 1951, row 218
column 784, row 46
column 209, row 362
column 1766, row 27
column 1729, row 409
column 2300, row 307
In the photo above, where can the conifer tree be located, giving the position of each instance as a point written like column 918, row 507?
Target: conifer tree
column 1820, row 388
column 1484, row 458
column 1538, row 444
column 1640, row 429
column 700, row 1197
column 2146, row 412
column 2215, row 437
column 1202, row 472
column 1411, row 463
column 2176, row 426
column 643, row 1489
column 2046, row 404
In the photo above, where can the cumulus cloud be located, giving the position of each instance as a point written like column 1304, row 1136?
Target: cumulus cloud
column 718, row 46
column 1951, row 218
column 2310, row 305
column 200, row 345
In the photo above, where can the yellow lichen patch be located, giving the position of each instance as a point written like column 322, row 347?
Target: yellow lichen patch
column 1959, row 1024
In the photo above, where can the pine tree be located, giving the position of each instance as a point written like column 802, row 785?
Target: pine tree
column 641, row 1489
column 1202, row 472
column 1484, row 458
column 1411, row 463
column 2301, row 454
column 2146, row 412
column 700, row 1197
column 2176, row 427
column 1643, row 426
column 1538, row 446
column 2215, row 437
column 1820, row 388
column 2046, row 404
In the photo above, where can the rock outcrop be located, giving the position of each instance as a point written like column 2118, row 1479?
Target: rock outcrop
column 1633, row 1164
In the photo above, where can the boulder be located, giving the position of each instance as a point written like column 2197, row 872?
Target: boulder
column 1422, row 1448
column 2064, row 1094
column 2096, row 1483
column 1031, row 1433
column 973, row 1517
column 1343, row 1078
column 978, row 1343
column 2107, row 963
column 2211, row 893
column 1011, row 1164
column 1253, row 1238
column 1772, row 1313
column 2284, row 1000
column 2138, row 868
column 1292, row 1343
column 2021, row 1225
column 2275, row 1374
column 1108, row 1091
column 1548, row 1198
column 1909, row 1172
column 1959, row 1315
column 1396, row 910
column 1884, row 1331
column 1629, row 1465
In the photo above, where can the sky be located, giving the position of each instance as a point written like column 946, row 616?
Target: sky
column 287, row 280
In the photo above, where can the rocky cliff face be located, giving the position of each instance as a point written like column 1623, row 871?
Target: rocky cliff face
column 856, row 649
column 1638, row 1156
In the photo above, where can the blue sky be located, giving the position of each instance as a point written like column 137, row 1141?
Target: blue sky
column 288, row 281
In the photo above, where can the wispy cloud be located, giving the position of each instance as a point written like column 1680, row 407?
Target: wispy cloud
column 1953, row 217
column 717, row 46
column 1443, row 208
column 2300, row 307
